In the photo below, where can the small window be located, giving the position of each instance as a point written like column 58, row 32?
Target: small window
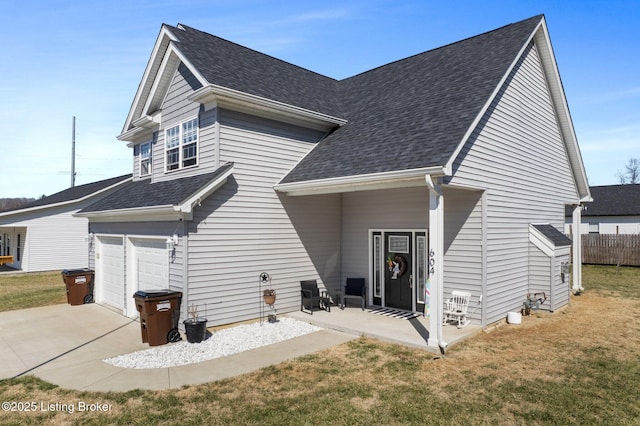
column 594, row 228
column 421, row 273
column 182, row 145
column 145, row 159
column 398, row 244
column 377, row 265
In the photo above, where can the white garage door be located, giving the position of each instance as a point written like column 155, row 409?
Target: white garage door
column 110, row 271
column 152, row 264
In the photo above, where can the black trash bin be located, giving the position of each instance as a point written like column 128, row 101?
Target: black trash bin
column 79, row 283
column 159, row 314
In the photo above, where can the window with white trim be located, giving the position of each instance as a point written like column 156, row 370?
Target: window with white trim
column 145, row 159
column 181, row 145
column 378, row 262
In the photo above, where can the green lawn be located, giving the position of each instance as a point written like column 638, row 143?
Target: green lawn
column 578, row 366
column 21, row 291
column 609, row 279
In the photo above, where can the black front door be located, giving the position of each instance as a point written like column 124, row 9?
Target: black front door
column 398, row 270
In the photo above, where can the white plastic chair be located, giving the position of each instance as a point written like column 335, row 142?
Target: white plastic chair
column 455, row 309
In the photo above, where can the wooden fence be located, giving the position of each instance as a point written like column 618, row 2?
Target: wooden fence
column 611, row 249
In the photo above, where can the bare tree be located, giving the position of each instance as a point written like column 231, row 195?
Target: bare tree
column 631, row 172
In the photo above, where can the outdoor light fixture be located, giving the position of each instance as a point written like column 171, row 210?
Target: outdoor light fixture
column 89, row 238
column 172, row 242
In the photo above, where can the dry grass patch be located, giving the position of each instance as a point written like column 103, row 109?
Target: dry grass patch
column 577, row 366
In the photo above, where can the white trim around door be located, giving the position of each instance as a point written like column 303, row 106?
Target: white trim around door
column 398, row 268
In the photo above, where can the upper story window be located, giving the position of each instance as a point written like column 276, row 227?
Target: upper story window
column 181, row 144
column 145, row 159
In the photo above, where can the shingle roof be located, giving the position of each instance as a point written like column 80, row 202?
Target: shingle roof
column 413, row 113
column 237, row 67
column 613, row 200
column 143, row 193
column 422, row 105
column 73, row 193
column 553, row 235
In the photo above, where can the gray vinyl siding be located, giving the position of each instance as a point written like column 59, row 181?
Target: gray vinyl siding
column 392, row 209
column 463, row 261
column 175, row 109
column 561, row 289
column 516, row 154
column 244, row 228
column 545, row 275
column 540, row 270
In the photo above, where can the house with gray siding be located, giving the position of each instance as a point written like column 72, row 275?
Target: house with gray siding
column 448, row 170
column 44, row 235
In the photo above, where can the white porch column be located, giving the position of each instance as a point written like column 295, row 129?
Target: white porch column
column 436, row 261
column 577, row 249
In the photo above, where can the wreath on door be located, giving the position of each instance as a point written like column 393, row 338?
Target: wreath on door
column 397, row 265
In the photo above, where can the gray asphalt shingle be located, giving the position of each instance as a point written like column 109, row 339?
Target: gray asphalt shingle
column 555, row 236
column 612, row 200
column 408, row 114
column 143, row 193
column 74, row 193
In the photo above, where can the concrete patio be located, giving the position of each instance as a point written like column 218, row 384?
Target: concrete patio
column 66, row 345
column 412, row 332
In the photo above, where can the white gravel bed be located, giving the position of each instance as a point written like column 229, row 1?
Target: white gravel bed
column 224, row 342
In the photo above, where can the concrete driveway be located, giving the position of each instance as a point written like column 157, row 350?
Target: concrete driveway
column 65, row 345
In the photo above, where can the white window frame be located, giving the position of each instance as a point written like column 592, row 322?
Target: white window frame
column 378, row 264
column 143, row 159
column 183, row 135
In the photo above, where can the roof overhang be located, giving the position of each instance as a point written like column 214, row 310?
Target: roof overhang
column 543, row 43
column 167, row 212
column 542, row 242
column 540, row 37
column 165, row 58
column 383, row 180
column 212, row 96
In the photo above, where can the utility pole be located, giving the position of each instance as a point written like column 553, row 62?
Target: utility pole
column 73, row 152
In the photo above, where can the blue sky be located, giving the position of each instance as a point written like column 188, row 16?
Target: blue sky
column 86, row 58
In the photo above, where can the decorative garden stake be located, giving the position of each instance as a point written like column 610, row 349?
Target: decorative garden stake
column 268, row 296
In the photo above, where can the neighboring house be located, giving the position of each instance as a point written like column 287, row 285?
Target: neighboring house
column 44, row 235
column 615, row 210
column 457, row 163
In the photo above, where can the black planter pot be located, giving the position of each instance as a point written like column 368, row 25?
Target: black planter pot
column 195, row 329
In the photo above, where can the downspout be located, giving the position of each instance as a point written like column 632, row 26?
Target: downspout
column 577, row 249
column 436, row 261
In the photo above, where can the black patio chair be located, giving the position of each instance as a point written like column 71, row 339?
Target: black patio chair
column 312, row 298
column 354, row 288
